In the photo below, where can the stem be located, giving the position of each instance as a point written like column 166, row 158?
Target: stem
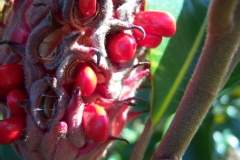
column 221, row 44
column 141, row 145
column 235, row 60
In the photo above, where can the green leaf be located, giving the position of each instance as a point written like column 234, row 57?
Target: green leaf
column 7, row 153
column 234, row 78
column 198, row 148
column 172, row 63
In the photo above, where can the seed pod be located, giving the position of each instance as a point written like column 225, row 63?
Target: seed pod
column 62, row 116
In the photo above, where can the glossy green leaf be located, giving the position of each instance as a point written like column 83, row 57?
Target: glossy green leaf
column 200, row 146
column 8, row 153
column 234, row 78
column 172, row 63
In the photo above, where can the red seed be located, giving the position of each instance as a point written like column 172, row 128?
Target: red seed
column 86, row 80
column 157, row 23
column 96, row 123
column 3, row 93
column 121, row 47
column 87, row 8
column 11, row 129
column 12, row 76
column 150, row 41
column 13, row 97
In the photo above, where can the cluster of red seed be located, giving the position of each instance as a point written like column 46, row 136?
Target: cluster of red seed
column 81, row 67
column 11, row 91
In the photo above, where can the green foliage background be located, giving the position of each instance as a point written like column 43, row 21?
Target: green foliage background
column 172, row 65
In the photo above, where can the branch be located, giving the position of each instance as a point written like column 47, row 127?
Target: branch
column 141, row 145
column 234, row 62
column 221, row 44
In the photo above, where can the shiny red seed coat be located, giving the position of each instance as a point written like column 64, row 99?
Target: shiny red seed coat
column 87, row 8
column 11, row 129
column 96, row 123
column 12, row 76
column 86, row 80
column 13, row 97
column 157, row 23
column 121, row 47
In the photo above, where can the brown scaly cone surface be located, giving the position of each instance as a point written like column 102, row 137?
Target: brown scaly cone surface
column 52, row 40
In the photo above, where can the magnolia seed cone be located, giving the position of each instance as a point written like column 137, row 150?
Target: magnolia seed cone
column 52, row 40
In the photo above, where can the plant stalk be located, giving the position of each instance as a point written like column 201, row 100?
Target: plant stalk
column 141, row 145
column 223, row 37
